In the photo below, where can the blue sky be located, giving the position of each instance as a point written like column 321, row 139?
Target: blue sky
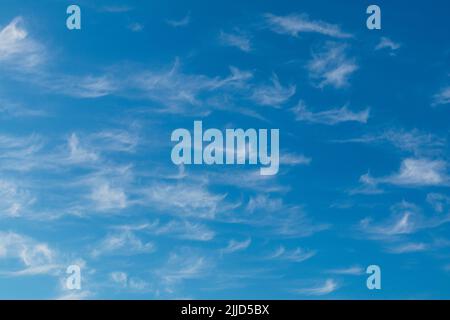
column 86, row 176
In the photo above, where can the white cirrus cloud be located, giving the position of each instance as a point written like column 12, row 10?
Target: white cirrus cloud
column 330, row 116
column 115, row 140
column 273, row 95
column 15, row 109
column 107, row 197
column 236, row 39
column 35, row 257
column 413, row 141
column 406, row 219
column 18, row 49
column 295, row 24
column 442, row 97
column 386, row 43
column 78, row 153
column 119, row 277
column 87, row 86
column 122, row 243
column 24, row 153
column 279, row 219
column 75, row 295
column 14, row 199
column 183, row 22
column 235, row 245
column 323, row 288
column 136, row 27
column 408, row 248
column 263, row 202
column 294, row 255
column 292, row 159
column 249, row 180
column 124, row 281
column 183, row 264
column 350, row 271
column 116, row 9
column 184, row 199
column 331, row 66
column 439, row 202
column 177, row 90
column 414, row 172
column 182, row 229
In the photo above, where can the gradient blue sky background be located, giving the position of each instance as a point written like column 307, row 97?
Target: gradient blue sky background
column 85, row 170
